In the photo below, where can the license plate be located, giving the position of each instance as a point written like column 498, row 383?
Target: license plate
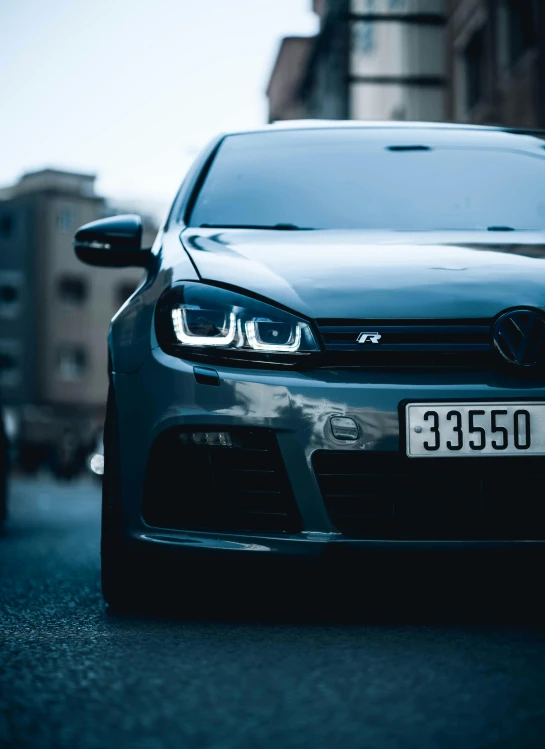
column 456, row 430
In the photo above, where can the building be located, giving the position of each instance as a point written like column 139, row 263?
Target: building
column 371, row 59
column 325, row 87
column 54, row 311
column 283, row 91
column 496, row 54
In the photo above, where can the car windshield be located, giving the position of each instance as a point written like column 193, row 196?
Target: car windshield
column 394, row 179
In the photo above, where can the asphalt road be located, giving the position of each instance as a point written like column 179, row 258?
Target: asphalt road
column 413, row 667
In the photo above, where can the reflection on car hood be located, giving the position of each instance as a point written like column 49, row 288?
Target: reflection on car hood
column 358, row 274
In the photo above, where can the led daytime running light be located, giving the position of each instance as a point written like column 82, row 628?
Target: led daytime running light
column 184, row 336
column 255, row 343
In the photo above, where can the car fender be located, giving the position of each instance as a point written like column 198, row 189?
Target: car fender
column 132, row 332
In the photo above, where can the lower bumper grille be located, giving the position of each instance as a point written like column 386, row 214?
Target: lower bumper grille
column 388, row 496
column 243, row 487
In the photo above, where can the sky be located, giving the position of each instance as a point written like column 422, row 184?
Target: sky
column 132, row 89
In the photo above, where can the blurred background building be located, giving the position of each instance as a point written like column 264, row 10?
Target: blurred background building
column 496, row 62
column 371, row 59
column 55, row 311
column 480, row 61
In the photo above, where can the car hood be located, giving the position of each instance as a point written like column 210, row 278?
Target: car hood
column 358, row 274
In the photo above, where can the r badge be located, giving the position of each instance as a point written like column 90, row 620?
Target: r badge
column 369, row 337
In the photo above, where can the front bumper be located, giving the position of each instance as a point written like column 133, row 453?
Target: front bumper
column 297, row 407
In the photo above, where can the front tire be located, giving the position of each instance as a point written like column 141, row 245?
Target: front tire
column 4, row 469
column 119, row 565
column 3, row 496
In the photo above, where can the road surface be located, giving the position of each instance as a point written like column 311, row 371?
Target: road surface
column 406, row 670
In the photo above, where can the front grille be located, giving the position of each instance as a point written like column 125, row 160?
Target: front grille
column 389, row 496
column 207, row 487
column 408, row 343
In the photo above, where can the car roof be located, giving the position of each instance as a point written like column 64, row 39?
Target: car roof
column 435, row 133
column 383, row 125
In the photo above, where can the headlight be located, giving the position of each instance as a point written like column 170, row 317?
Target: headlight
column 200, row 321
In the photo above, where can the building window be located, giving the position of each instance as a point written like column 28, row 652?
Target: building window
column 364, row 32
column 72, row 362
column 6, row 225
column 364, row 40
column 521, row 25
column 72, row 289
column 66, row 219
column 474, row 68
column 11, row 283
column 123, row 291
column 10, row 363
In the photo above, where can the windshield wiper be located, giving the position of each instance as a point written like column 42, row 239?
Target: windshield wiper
column 273, row 227
column 500, row 228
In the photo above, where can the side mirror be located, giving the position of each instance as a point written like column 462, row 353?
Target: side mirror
column 112, row 242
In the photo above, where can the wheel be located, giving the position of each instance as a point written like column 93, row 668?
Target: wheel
column 4, row 468
column 3, row 496
column 121, row 584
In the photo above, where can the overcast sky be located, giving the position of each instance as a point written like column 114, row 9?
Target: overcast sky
column 132, row 89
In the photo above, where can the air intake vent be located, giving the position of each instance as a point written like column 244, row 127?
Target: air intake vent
column 388, row 496
column 240, row 486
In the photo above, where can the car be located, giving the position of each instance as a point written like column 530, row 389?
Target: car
column 95, row 459
column 4, row 464
column 339, row 344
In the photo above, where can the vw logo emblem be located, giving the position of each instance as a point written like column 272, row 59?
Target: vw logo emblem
column 519, row 336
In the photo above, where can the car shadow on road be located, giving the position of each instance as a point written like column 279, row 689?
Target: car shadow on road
column 396, row 589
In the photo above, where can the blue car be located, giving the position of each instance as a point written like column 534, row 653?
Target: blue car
column 339, row 344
